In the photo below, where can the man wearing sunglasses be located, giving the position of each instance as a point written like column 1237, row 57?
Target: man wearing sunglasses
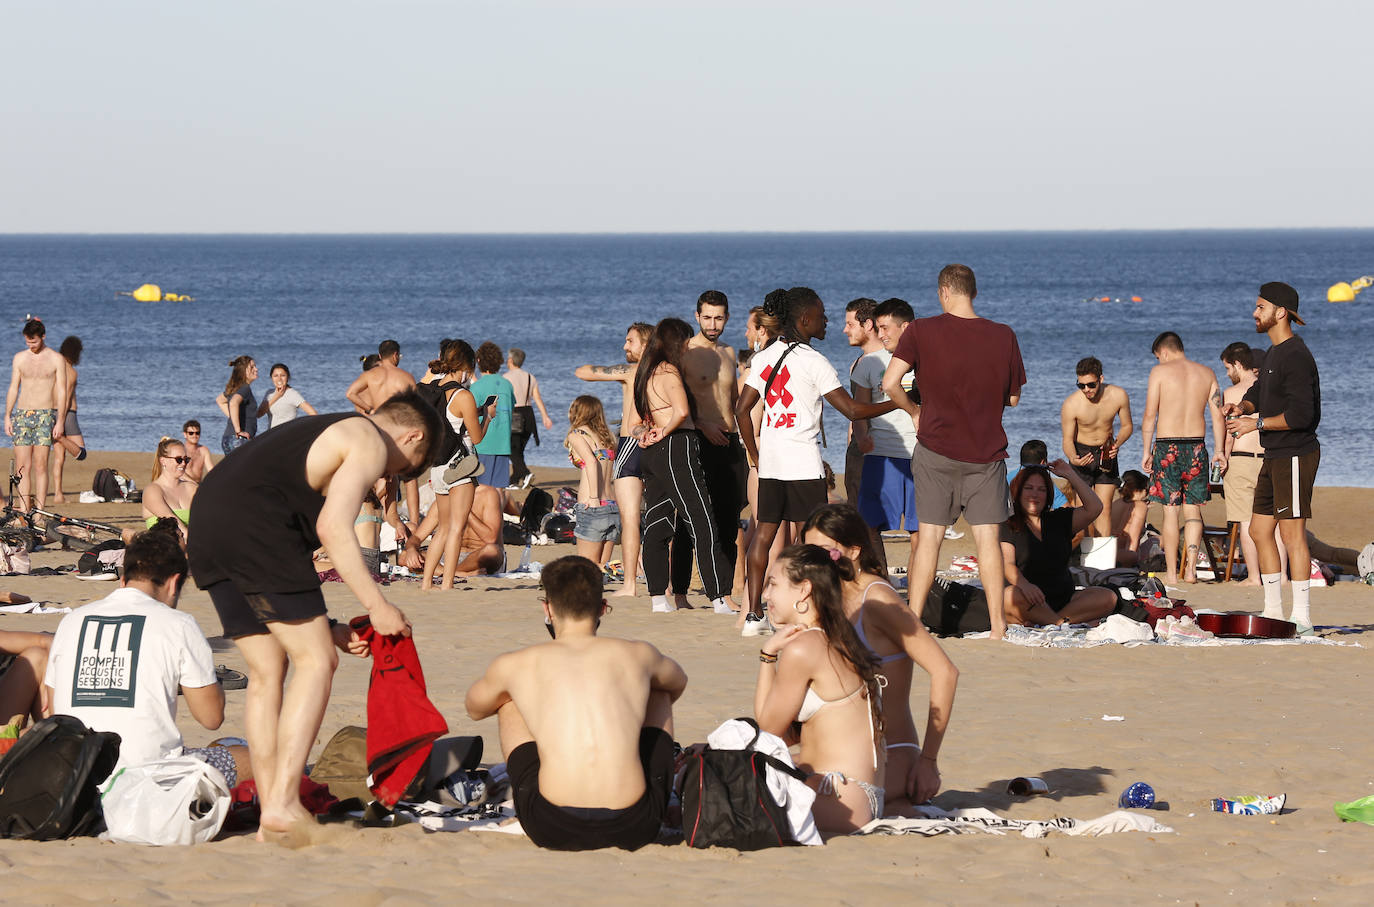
column 1087, row 420
column 201, row 461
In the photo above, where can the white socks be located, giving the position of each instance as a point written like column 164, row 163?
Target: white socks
column 1300, row 615
column 1273, row 603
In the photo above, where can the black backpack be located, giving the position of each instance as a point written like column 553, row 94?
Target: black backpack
column 89, row 563
column 49, row 781
column 106, row 486
column 436, row 395
column 726, row 801
column 953, row 609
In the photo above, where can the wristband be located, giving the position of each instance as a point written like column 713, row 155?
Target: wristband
column 766, row 658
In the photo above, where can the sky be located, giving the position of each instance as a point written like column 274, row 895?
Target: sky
column 482, row 117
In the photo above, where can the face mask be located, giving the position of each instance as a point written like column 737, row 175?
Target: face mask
column 548, row 625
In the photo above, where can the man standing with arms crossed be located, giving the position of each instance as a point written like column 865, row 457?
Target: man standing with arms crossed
column 968, row 369
column 1181, row 393
column 1090, row 446
column 35, row 410
column 628, row 478
column 1286, row 403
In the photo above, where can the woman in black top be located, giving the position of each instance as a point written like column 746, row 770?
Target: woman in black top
column 1036, row 545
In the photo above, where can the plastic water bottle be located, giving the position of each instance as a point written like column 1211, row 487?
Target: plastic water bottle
column 1152, row 588
column 524, row 559
column 1138, row 796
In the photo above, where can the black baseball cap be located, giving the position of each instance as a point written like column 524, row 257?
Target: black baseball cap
column 1281, row 294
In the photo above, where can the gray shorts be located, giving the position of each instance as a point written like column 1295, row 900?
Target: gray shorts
column 596, row 524
column 70, row 426
column 946, row 488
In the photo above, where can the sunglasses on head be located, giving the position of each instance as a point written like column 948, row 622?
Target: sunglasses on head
column 1086, row 385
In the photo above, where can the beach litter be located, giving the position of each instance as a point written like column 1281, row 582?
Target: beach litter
column 1361, row 810
column 1251, row 805
column 1027, row 787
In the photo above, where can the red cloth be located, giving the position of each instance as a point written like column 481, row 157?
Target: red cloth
column 966, row 368
column 244, row 810
column 401, row 721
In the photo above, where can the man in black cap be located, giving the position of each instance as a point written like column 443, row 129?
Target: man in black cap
column 1284, row 406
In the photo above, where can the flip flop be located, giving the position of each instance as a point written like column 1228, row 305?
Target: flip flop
column 230, row 679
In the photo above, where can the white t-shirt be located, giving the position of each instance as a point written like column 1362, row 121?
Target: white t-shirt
column 789, row 441
column 893, row 434
column 284, row 410
column 116, row 664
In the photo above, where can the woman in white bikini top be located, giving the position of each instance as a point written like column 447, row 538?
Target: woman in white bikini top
column 813, row 670
column 893, row 632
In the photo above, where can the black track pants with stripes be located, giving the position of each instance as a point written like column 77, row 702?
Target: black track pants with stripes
column 674, row 486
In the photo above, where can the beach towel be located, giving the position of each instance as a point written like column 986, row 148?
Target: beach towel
column 938, row 821
column 1077, row 637
column 33, row 608
column 402, row 723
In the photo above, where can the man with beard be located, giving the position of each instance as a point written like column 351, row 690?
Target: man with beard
column 710, row 376
column 1284, row 406
column 629, row 484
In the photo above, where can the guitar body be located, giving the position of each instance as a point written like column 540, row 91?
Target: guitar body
column 1247, row 626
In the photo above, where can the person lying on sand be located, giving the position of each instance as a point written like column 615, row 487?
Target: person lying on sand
column 586, row 723
column 154, row 651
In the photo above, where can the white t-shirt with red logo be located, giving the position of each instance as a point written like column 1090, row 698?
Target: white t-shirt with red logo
column 788, row 441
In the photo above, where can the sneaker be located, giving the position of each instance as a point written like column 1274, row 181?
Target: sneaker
column 754, row 625
column 1305, row 630
column 525, row 482
column 722, row 606
column 662, row 605
column 951, row 533
column 1365, row 562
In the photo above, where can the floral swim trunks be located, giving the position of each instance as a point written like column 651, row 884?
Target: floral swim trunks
column 33, row 427
column 1180, row 472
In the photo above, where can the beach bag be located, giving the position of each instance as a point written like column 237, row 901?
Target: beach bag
column 437, row 395
column 14, row 558
column 342, row 765
column 50, row 780
column 953, row 609
column 106, row 486
column 107, row 557
column 179, row 800
column 726, row 801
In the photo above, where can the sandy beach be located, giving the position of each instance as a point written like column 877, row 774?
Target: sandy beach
column 1199, row 723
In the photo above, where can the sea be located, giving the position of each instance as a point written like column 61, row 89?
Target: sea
column 320, row 303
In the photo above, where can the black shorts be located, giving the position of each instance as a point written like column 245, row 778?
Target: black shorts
column 1284, row 487
column 793, row 500
column 627, row 460
column 574, row 828
column 1100, row 470
column 249, row 614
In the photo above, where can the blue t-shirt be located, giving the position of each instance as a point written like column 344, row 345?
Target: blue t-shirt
column 496, row 441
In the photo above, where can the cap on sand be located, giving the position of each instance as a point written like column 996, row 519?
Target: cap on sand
column 1281, row 294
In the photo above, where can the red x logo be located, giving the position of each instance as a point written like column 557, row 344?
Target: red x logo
column 777, row 391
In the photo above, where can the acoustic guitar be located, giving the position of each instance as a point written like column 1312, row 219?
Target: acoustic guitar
column 1246, row 625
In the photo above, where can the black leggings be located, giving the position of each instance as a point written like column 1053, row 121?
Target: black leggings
column 727, row 476
column 673, row 487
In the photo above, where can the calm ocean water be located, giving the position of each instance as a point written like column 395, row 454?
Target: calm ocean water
column 318, row 303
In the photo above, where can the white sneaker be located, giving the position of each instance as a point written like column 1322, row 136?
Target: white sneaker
column 721, row 606
column 525, row 482
column 662, row 605
column 951, row 533
column 756, row 626
column 1365, row 561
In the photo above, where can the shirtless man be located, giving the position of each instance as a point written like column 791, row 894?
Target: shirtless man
column 1181, row 394
column 710, row 372
column 1090, row 444
column 629, row 484
column 482, row 551
column 201, row 461
column 35, row 412
column 258, row 520
column 586, row 723
column 377, row 385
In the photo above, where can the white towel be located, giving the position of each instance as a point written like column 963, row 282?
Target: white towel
column 793, row 796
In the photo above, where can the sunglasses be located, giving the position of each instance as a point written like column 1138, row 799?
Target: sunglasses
column 190, row 433
column 184, row 461
column 1086, row 385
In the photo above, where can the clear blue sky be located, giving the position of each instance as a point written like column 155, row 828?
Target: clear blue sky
column 409, row 116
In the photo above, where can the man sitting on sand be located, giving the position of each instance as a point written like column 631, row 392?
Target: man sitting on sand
column 586, row 723
column 145, row 652
column 259, row 518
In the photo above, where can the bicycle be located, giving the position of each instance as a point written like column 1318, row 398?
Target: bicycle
column 19, row 527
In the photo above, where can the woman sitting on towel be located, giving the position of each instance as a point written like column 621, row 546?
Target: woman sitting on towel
column 1036, row 545
column 894, row 634
column 169, row 493
column 815, row 671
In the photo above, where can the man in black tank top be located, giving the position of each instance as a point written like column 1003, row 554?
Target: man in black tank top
column 259, row 518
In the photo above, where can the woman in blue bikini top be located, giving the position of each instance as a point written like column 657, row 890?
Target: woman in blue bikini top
column 893, row 632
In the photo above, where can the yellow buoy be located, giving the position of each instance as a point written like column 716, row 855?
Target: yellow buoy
column 149, row 292
column 1340, row 292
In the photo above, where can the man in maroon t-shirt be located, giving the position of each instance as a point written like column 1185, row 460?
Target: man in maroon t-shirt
column 968, row 369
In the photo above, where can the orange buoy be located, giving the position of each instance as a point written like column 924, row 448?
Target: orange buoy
column 1135, row 299
column 1105, row 299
